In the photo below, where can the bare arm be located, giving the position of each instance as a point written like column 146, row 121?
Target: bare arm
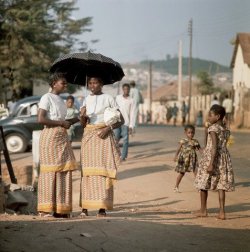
column 177, row 152
column 198, row 148
column 213, row 152
column 84, row 119
column 42, row 118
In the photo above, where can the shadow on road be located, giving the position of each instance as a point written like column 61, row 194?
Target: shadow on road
column 153, row 153
column 133, row 144
column 233, row 208
column 140, row 171
column 243, row 184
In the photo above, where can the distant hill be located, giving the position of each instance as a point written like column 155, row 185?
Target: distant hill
column 171, row 66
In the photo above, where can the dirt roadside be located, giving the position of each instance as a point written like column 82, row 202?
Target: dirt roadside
column 148, row 215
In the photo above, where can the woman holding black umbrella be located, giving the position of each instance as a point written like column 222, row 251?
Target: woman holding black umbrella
column 100, row 156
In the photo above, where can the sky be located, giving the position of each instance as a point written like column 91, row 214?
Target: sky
column 133, row 30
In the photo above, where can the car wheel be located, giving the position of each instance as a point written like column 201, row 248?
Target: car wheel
column 16, row 143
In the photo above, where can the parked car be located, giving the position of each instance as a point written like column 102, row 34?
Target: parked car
column 19, row 125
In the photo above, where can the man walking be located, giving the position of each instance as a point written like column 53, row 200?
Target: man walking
column 175, row 111
column 136, row 96
column 228, row 105
column 127, row 108
column 184, row 112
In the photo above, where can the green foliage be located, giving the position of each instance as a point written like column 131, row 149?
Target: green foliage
column 205, row 85
column 33, row 33
column 170, row 65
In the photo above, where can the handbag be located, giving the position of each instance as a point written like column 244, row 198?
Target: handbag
column 111, row 116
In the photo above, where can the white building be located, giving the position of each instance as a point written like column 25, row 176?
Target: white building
column 241, row 78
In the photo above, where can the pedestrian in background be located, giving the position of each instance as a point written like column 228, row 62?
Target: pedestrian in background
column 57, row 160
column 126, row 106
column 215, row 101
column 215, row 170
column 228, row 105
column 186, row 156
column 72, row 112
column 199, row 119
column 100, row 155
column 184, row 112
column 136, row 95
column 169, row 113
column 174, row 111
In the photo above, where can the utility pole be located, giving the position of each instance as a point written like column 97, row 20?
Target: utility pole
column 180, row 72
column 150, row 91
column 190, row 33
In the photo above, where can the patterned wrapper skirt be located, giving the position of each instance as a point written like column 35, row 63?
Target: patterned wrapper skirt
column 96, row 192
column 100, row 159
column 56, row 164
column 55, row 192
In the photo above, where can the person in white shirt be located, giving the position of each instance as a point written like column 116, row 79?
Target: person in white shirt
column 137, row 98
column 57, row 160
column 127, row 108
column 100, row 155
column 215, row 101
column 228, row 105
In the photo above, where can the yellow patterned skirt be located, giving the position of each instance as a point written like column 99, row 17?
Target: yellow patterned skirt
column 100, row 159
column 56, row 164
column 55, row 192
column 96, row 192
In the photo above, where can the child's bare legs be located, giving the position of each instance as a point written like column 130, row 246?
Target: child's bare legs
column 222, row 197
column 195, row 172
column 203, row 211
column 178, row 179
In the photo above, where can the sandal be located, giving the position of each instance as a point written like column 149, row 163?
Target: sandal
column 45, row 215
column 176, row 190
column 101, row 213
column 84, row 213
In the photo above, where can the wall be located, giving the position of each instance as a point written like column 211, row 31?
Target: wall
column 241, row 84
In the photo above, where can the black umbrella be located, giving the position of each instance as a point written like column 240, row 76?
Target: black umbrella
column 78, row 66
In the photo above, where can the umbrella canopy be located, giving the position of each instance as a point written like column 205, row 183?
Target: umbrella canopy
column 78, row 66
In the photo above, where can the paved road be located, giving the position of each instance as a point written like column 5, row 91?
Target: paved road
column 148, row 215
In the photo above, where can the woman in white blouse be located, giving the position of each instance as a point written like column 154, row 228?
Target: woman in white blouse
column 56, row 155
column 100, row 154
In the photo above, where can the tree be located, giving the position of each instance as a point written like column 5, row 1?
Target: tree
column 205, row 85
column 33, row 33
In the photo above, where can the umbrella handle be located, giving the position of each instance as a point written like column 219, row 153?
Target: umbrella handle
column 86, row 87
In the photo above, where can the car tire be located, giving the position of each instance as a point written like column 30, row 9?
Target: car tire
column 16, row 143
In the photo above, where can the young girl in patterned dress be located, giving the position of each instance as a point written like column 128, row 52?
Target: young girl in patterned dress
column 215, row 168
column 186, row 156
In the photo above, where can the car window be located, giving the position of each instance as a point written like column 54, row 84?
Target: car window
column 24, row 111
column 29, row 110
column 34, row 109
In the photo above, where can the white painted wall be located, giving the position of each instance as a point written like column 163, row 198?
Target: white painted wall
column 241, row 78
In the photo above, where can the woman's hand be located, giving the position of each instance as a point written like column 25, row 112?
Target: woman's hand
column 130, row 131
column 103, row 133
column 84, row 120
column 83, row 111
column 65, row 124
